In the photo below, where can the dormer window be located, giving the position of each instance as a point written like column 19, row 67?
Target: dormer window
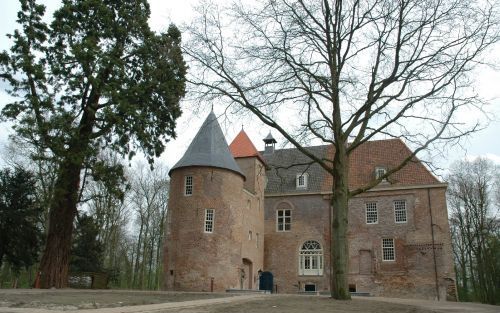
column 379, row 172
column 301, row 181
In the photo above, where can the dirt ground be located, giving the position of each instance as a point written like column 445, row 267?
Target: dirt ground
column 113, row 301
column 85, row 299
column 304, row 304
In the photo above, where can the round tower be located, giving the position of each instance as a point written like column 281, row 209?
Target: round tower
column 204, row 228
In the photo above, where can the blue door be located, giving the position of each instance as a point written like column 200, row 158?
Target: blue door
column 266, row 281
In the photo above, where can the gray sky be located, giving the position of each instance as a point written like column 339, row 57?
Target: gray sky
column 484, row 143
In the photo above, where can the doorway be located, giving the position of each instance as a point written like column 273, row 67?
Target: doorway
column 246, row 276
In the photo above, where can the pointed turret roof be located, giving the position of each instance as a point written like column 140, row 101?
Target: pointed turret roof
column 269, row 138
column 209, row 148
column 242, row 147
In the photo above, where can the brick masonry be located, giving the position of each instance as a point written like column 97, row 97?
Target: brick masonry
column 227, row 258
column 199, row 261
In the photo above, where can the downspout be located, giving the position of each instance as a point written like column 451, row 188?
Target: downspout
column 433, row 243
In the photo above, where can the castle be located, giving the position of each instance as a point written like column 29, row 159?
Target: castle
column 235, row 212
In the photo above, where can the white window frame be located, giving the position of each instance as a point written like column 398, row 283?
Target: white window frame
column 188, row 185
column 379, row 172
column 388, row 250
column 301, row 184
column 400, row 211
column 311, row 259
column 371, row 211
column 208, row 225
column 282, row 220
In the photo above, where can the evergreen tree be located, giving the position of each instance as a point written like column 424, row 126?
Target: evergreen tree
column 96, row 77
column 87, row 250
column 20, row 235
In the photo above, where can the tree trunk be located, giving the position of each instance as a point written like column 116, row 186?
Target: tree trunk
column 137, row 256
column 339, row 264
column 55, row 260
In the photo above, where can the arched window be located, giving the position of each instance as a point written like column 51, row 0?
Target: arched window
column 311, row 258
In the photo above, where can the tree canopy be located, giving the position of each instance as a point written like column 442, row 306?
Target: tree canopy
column 97, row 76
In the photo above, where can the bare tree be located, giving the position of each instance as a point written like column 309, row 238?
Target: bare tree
column 342, row 73
column 148, row 198
column 475, row 225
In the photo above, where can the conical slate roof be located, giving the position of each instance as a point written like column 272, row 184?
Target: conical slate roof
column 209, row 148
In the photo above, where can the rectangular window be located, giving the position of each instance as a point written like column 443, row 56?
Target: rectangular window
column 188, row 185
column 209, row 220
column 400, row 211
column 283, row 220
column 301, row 181
column 371, row 213
column 257, row 240
column 388, row 252
column 379, row 172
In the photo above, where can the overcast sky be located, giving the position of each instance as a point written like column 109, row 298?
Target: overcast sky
column 484, row 143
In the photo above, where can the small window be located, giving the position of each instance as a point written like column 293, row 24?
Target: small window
column 400, row 211
column 257, row 240
column 310, row 287
column 283, row 220
column 371, row 213
column 209, row 220
column 249, row 235
column 352, row 288
column 388, row 253
column 301, row 181
column 379, row 172
column 188, row 185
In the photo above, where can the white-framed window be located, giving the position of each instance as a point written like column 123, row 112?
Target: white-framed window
column 249, row 235
column 379, row 172
column 283, row 220
column 371, row 213
column 188, row 185
column 311, row 259
column 400, row 211
column 388, row 251
column 301, row 181
column 209, row 220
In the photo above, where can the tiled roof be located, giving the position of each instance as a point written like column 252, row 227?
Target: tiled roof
column 242, row 147
column 386, row 153
column 285, row 164
column 209, row 148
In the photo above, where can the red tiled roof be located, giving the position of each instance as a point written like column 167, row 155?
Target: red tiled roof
column 383, row 153
column 242, row 147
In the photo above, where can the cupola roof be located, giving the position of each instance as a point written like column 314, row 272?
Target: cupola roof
column 209, row 148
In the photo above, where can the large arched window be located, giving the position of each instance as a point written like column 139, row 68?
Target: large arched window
column 311, row 258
